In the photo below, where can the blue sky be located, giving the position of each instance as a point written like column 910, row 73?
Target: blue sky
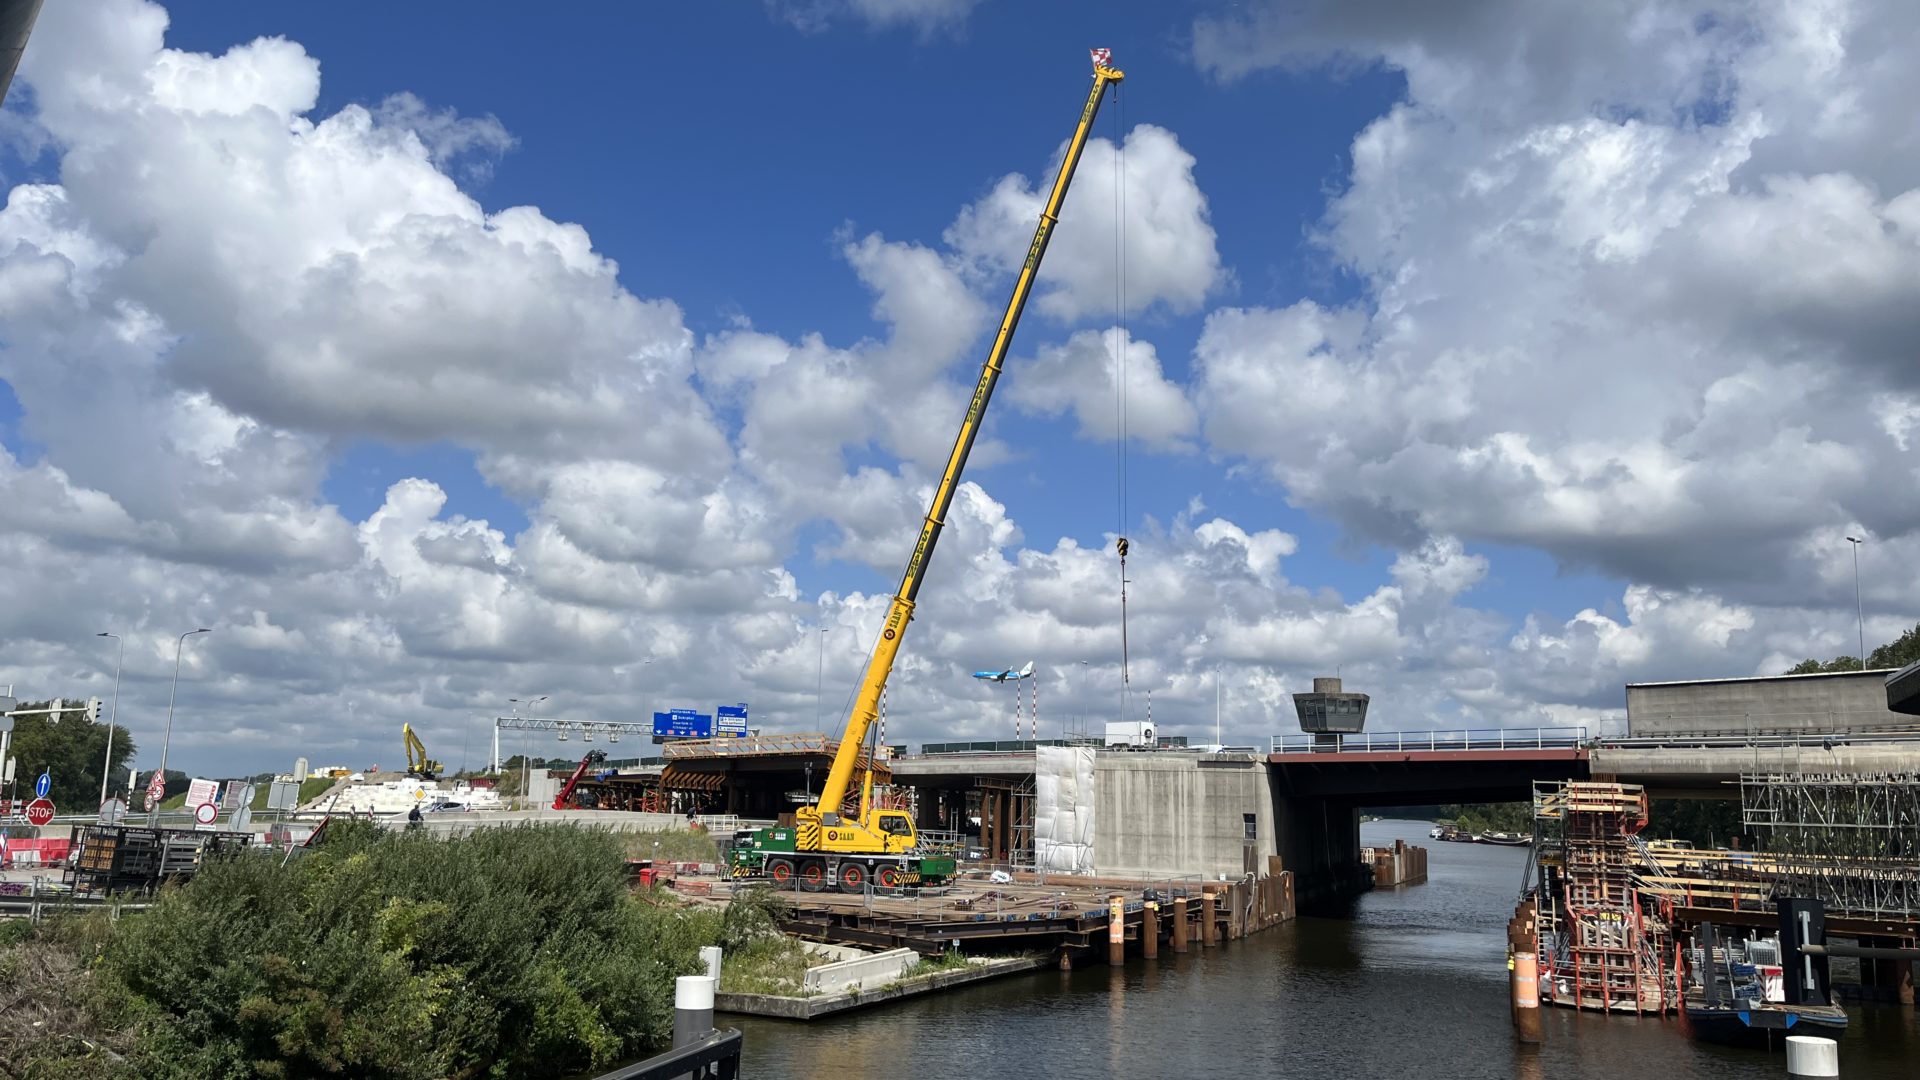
column 716, row 153
column 1462, row 385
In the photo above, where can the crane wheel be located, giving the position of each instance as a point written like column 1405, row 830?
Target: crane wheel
column 853, row 877
column 781, row 871
column 813, row 877
column 891, row 877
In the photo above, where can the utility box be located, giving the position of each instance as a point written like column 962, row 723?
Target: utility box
column 1137, row 734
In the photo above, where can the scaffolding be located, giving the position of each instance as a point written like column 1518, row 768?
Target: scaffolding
column 1601, row 944
column 1851, row 841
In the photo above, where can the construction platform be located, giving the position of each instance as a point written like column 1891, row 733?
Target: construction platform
column 1065, row 916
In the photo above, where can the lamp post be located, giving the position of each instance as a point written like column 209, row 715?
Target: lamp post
column 153, row 812
column 526, row 747
column 1080, row 705
column 1859, row 613
column 113, row 718
column 820, row 679
column 1216, row 708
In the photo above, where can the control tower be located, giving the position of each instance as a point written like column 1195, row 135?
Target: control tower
column 1329, row 713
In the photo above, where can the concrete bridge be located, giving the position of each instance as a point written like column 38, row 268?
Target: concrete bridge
column 1169, row 812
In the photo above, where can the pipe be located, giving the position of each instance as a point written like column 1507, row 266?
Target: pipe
column 1865, row 952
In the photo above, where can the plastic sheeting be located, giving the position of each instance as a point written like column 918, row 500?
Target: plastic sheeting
column 1063, row 809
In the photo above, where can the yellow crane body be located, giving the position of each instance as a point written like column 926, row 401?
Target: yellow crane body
column 823, row 827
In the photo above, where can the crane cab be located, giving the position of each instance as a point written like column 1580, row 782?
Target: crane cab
column 896, row 829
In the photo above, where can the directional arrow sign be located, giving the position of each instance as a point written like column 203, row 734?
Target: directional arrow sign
column 43, row 785
column 39, row 812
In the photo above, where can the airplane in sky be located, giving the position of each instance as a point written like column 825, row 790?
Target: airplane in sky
column 1008, row 675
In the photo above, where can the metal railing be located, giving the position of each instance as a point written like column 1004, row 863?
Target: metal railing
column 812, row 742
column 1758, row 739
column 716, row 1057
column 42, row 897
column 1536, row 738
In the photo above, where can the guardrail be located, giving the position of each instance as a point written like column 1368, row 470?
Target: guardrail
column 1813, row 740
column 1537, row 738
column 41, row 897
column 716, row 1057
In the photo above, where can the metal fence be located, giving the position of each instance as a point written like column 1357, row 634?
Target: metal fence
column 1536, row 738
column 716, row 1057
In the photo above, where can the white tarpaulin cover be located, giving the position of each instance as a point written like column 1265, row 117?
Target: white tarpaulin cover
column 1063, row 809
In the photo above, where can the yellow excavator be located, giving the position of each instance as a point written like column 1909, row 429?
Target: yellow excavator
column 419, row 765
column 828, row 846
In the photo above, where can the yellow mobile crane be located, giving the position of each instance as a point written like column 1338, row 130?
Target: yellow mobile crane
column 827, row 846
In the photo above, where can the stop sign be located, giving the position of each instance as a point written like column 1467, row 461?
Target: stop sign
column 39, row 812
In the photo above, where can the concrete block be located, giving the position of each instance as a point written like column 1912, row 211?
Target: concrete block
column 871, row 971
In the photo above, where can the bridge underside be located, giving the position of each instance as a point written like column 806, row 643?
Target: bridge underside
column 1317, row 799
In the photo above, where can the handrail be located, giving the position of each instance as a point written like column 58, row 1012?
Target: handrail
column 1537, row 738
column 716, row 1057
column 1709, row 739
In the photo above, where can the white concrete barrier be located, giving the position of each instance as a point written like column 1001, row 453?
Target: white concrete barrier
column 866, row 973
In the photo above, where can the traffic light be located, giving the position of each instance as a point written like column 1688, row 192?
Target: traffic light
column 93, row 710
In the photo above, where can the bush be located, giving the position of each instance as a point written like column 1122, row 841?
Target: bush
column 512, row 952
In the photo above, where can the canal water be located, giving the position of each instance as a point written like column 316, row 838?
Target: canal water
column 1413, row 985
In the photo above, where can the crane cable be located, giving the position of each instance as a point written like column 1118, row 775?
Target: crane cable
column 1119, row 339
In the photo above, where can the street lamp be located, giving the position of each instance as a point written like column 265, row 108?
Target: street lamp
column 1859, row 613
column 1216, row 708
column 114, row 717
column 526, row 742
column 153, row 812
column 1080, row 705
column 820, row 678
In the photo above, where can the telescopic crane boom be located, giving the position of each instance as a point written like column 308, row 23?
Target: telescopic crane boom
column 839, row 833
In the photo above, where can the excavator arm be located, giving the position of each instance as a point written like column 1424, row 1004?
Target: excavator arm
column 866, row 704
column 418, row 763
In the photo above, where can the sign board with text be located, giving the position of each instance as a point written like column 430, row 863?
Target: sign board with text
column 731, row 720
column 203, row 793
column 683, row 724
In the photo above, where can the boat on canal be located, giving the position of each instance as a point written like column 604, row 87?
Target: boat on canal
column 1736, row 996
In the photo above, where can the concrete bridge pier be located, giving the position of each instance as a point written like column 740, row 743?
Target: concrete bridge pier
column 1319, row 841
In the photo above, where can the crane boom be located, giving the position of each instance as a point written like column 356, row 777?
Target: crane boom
column 866, row 705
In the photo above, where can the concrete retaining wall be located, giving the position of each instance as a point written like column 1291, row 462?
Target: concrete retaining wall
column 1165, row 813
column 1839, row 701
column 871, row 971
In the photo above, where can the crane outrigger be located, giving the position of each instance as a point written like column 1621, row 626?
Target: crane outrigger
column 827, row 845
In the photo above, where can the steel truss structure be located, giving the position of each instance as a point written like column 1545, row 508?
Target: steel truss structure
column 584, row 730
column 1851, row 841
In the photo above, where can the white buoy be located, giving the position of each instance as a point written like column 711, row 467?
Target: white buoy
column 1810, row 1057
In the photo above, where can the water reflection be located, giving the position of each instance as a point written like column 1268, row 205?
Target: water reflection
column 1414, row 985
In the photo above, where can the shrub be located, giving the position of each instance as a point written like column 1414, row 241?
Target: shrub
column 513, row 952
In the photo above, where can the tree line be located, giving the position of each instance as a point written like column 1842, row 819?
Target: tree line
column 1897, row 653
column 72, row 750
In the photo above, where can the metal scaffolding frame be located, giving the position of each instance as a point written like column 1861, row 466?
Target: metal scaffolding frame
column 1852, row 841
column 584, row 730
